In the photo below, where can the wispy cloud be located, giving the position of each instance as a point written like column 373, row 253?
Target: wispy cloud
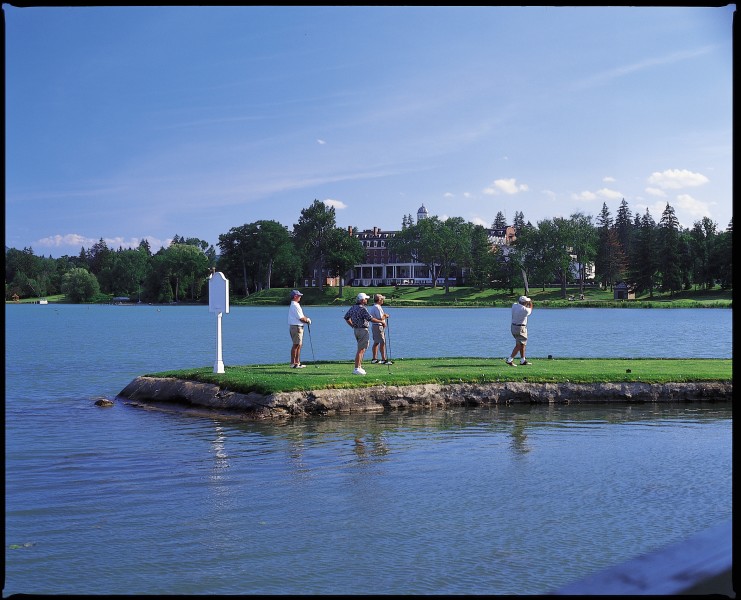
column 607, row 76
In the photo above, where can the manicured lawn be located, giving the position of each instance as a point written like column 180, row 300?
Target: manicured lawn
column 468, row 296
column 266, row 379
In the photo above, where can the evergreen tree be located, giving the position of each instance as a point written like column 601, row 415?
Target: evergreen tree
column 669, row 255
column 617, row 261
column 604, row 261
column 500, row 221
column 624, row 226
column 722, row 257
column 144, row 247
column 99, row 257
column 701, row 239
column 644, row 261
column 519, row 222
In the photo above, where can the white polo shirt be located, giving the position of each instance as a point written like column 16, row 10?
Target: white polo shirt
column 520, row 313
column 295, row 314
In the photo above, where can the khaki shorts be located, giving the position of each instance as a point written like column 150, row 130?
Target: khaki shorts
column 379, row 334
column 363, row 338
column 297, row 334
column 519, row 332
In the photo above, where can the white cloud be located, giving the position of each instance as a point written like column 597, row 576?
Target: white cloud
column 480, row 221
column 584, row 196
column 651, row 191
column 694, row 208
column 676, row 179
column 608, row 179
column 69, row 239
column 588, row 196
column 507, row 186
column 448, row 195
column 74, row 242
column 320, row 142
column 336, row 204
column 609, row 194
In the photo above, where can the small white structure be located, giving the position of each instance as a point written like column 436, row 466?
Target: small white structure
column 218, row 302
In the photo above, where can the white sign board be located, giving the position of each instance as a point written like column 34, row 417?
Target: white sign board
column 218, row 302
column 218, row 293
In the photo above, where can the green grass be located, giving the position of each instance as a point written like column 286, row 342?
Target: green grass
column 268, row 379
column 51, row 299
column 468, row 296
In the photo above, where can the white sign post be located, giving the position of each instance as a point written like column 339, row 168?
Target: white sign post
column 218, row 302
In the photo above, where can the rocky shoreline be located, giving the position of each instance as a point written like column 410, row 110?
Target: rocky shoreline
column 161, row 392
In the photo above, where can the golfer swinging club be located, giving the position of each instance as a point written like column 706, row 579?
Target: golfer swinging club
column 520, row 312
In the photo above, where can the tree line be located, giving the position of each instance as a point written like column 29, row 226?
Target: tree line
column 648, row 256
column 633, row 249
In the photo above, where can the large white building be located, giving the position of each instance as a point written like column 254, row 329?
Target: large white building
column 382, row 267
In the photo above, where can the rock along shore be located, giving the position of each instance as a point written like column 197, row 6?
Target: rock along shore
column 160, row 392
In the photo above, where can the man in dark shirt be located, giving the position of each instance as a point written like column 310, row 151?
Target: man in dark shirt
column 358, row 318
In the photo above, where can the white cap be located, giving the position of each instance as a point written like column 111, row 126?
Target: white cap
column 295, row 293
column 523, row 299
column 362, row 296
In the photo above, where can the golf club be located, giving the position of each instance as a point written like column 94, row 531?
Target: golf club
column 388, row 346
column 311, row 343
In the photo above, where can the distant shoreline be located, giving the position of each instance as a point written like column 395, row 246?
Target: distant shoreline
column 459, row 297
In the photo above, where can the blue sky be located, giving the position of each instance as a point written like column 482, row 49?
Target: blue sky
column 131, row 123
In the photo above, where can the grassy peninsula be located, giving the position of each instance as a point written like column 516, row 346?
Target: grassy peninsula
column 269, row 379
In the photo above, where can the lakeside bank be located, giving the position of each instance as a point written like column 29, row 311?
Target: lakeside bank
column 325, row 389
column 208, row 398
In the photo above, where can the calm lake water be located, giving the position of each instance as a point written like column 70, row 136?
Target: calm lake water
column 509, row 500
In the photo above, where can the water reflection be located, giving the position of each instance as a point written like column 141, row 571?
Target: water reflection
column 375, row 435
column 519, row 436
column 371, row 445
